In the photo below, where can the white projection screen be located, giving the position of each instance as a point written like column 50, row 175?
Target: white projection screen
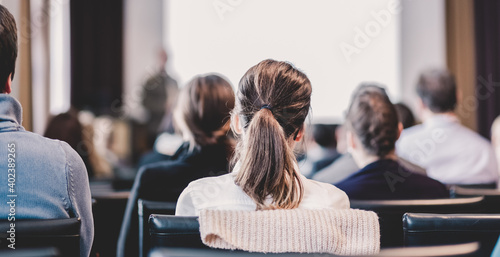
column 337, row 43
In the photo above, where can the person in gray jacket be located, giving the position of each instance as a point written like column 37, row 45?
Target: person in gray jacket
column 42, row 178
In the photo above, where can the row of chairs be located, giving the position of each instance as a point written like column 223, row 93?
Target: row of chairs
column 64, row 234
column 170, row 232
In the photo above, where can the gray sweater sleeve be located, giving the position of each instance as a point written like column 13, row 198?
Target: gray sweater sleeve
column 79, row 195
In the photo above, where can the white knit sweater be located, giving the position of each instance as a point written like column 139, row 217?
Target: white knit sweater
column 342, row 232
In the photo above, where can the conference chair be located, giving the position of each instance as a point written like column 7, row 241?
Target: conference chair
column 391, row 212
column 422, row 229
column 491, row 202
column 108, row 209
column 145, row 209
column 460, row 250
column 175, row 231
column 63, row 234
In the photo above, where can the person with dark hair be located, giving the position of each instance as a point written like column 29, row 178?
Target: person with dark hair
column 322, row 152
column 202, row 116
column 272, row 103
column 450, row 152
column 405, row 116
column 372, row 130
column 66, row 127
column 49, row 179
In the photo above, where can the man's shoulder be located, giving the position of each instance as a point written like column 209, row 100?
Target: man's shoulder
column 38, row 147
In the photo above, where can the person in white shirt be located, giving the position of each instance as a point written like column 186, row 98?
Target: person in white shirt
column 272, row 103
column 450, row 152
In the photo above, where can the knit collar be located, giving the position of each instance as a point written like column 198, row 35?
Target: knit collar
column 10, row 114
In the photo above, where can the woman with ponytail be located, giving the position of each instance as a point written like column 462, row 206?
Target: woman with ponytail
column 272, row 103
column 372, row 130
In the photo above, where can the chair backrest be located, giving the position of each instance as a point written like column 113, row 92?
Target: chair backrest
column 108, row 210
column 63, row 234
column 491, row 202
column 422, row 229
column 461, row 250
column 174, row 231
column 391, row 212
column 146, row 208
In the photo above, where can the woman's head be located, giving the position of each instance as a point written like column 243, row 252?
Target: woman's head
column 272, row 103
column 203, row 110
column 373, row 120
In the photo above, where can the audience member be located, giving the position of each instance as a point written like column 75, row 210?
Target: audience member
column 66, row 127
column 202, row 115
column 272, row 103
column 372, row 130
column 405, row 116
column 51, row 181
column 450, row 152
column 322, row 151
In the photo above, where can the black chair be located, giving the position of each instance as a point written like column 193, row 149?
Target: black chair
column 145, row 209
column 462, row 250
column 63, row 234
column 439, row 229
column 175, row 231
column 108, row 210
column 491, row 202
column 391, row 212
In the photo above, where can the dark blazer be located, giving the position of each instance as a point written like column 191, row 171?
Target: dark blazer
column 165, row 181
column 387, row 180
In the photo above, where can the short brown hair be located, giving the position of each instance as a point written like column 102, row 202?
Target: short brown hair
column 373, row 118
column 203, row 110
column 8, row 46
column 273, row 101
column 438, row 90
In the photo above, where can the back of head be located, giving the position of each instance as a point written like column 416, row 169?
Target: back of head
column 8, row 46
column 438, row 90
column 273, row 101
column 405, row 115
column 373, row 119
column 324, row 135
column 203, row 110
column 66, row 127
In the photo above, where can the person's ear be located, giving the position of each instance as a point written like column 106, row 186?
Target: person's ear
column 8, row 85
column 350, row 141
column 235, row 124
column 300, row 134
column 400, row 129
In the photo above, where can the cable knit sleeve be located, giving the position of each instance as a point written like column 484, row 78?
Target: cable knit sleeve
column 79, row 195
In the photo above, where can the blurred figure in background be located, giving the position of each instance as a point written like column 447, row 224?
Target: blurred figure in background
column 372, row 130
column 202, row 116
column 66, row 127
column 405, row 115
column 323, row 150
column 450, row 152
column 159, row 96
column 345, row 165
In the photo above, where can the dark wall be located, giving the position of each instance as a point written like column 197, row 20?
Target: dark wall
column 96, row 54
column 487, row 33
